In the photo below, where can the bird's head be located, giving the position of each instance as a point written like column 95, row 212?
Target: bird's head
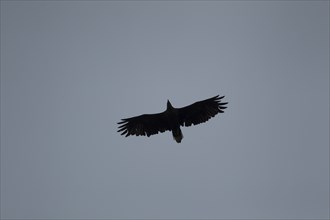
column 169, row 105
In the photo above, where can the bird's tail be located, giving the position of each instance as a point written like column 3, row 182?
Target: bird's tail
column 177, row 134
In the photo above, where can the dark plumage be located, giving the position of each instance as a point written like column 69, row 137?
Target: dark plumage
column 172, row 118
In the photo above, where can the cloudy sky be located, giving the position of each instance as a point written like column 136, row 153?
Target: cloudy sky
column 70, row 70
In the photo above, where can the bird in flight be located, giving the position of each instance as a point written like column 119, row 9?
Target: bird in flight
column 172, row 118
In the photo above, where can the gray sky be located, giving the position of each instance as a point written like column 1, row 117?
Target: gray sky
column 70, row 70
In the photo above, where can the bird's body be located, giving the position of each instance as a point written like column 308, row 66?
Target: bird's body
column 172, row 118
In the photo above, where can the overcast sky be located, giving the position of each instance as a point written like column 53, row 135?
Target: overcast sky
column 70, row 70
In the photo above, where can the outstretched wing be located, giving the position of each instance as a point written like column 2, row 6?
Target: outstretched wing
column 201, row 111
column 148, row 124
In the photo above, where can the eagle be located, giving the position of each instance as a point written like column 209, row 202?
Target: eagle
column 172, row 118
